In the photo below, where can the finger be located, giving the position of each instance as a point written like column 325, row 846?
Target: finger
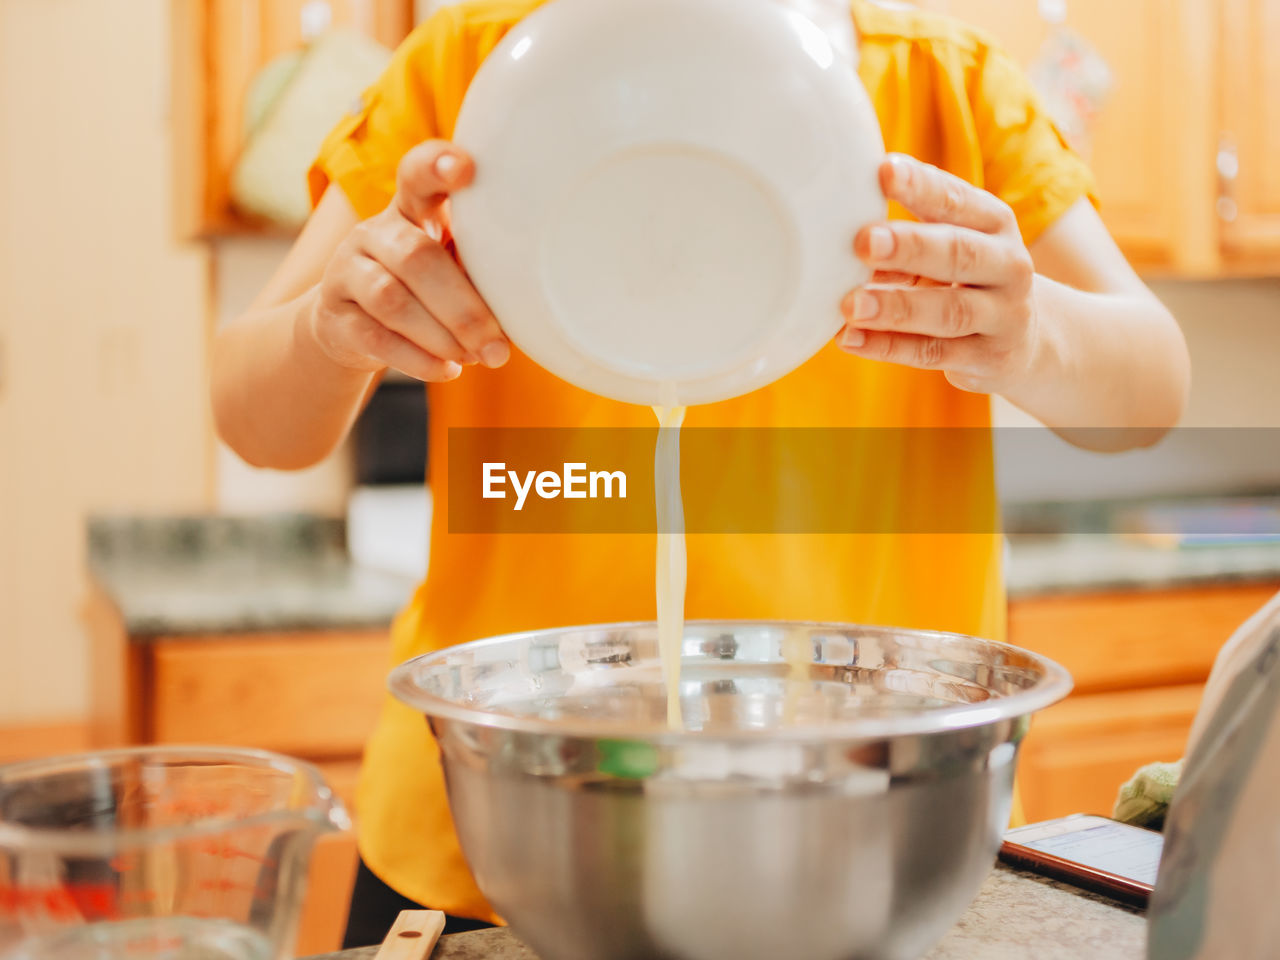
column 909, row 350
column 939, row 251
column 437, row 282
column 895, row 278
column 426, row 176
column 386, row 299
column 891, row 276
column 390, row 349
column 429, row 272
column 936, row 196
column 949, row 312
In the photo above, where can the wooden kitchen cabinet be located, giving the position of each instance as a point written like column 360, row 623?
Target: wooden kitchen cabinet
column 218, row 47
column 314, row 695
column 1139, row 661
column 1152, row 150
column 1249, row 149
column 1185, row 149
column 1080, row 752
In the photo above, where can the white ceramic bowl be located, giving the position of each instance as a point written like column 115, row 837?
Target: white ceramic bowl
column 667, row 193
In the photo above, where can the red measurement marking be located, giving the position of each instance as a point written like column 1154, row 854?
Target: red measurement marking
column 188, row 808
column 226, row 851
column 124, row 862
column 57, row 903
column 98, row 900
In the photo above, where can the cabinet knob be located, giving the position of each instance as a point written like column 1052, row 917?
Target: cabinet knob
column 1228, row 164
column 315, row 16
column 1053, row 12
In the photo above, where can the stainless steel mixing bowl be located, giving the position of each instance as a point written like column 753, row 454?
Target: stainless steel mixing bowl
column 846, row 809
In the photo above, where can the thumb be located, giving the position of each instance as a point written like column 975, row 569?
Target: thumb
column 426, row 176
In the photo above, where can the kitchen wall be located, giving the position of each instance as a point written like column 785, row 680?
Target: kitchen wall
column 1233, row 332
column 1233, row 329
column 103, row 322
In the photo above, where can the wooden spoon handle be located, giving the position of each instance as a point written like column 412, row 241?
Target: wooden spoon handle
column 413, row 936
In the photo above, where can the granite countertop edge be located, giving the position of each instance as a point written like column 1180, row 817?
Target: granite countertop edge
column 1016, row 915
column 209, row 575
column 1089, row 563
column 216, row 575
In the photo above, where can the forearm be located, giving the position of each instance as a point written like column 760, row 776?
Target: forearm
column 1109, row 372
column 278, row 400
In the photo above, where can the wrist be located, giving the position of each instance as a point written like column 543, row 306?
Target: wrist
column 1046, row 367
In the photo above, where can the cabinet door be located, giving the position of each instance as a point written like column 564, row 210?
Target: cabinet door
column 1152, row 149
column 305, row 694
column 1079, row 753
column 1249, row 158
column 1125, row 641
column 1139, row 662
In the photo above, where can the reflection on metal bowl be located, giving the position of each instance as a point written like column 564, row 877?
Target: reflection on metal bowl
column 849, row 810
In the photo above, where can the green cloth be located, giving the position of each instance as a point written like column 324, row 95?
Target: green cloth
column 1145, row 799
column 293, row 104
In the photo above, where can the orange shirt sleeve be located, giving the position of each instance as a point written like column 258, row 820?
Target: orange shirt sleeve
column 361, row 154
column 1026, row 161
column 417, row 98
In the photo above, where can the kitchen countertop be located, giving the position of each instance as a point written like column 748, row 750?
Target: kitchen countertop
column 174, row 576
column 182, row 576
column 1086, row 562
column 1016, row 916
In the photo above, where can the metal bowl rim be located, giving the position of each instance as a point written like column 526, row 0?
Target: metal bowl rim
column 1053, row 686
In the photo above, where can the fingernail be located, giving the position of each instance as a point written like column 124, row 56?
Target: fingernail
column 495, row 354
column 901, row 172
column 866, row 306
column 880, row 243
column 452, row 371
column 446, row 166
column 852, row 339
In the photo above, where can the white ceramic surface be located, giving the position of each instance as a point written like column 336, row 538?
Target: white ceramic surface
column 667, row 193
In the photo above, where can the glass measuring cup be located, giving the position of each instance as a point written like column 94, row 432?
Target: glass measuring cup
column 158, row 853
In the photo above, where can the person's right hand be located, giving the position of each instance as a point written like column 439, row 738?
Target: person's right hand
column 394, row 296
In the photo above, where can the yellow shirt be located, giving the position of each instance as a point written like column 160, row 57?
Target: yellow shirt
column 943, row 94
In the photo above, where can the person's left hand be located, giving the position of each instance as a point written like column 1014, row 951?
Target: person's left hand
column 951, row 293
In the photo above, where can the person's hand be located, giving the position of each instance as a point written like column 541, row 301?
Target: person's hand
column 394, row 296
column 953, row 292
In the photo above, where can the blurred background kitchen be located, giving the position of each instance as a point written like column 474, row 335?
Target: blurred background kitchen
column 153, row 587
